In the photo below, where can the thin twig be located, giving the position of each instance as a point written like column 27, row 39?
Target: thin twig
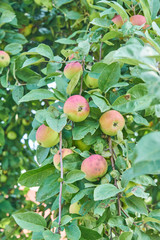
column 113, row 167
column 61, row 183
column 100, row 51
column 81, row 87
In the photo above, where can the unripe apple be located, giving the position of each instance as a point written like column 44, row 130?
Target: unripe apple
column 76, row 108
column 94, row 167
column 11, row 135
column 75, row 208
column 3, row 178
column 56, row 158
column 81, row 145
column 46, row 136
column 139, row 20
column 111, row 122
column 91, row 82
column 118, row 21
column 25, row 122
column 71, row 69
column 4, row 59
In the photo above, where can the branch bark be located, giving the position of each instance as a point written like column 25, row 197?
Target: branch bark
column 81, row 87
column 113, row 167
column 61, row 183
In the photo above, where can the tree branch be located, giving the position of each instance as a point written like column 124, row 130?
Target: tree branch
column 61, row 183
column 113, row 167
column 81, row 87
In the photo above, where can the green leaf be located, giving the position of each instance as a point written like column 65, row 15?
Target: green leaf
column 140, row 120
column 150, row 219
column 157, row 110
column 81, row 129
column 45, row 51
column 41, row 154
column 73, row 15
column 120, row 10
column 55, row 123
column 70, row 188
column 100, row 101
column 30, row 221
column 37, row 94
column 146, row 10
column 72, row 84
column 28, row 75
column 32, row 61
column 49, row 188
column 48, row 235
column 17, row 93
column 73, row 232
column 7, row 16
column 89, row 234
column 13, row 48
column 35, row 177
column 65, row 219
column 156, row 215
column 136, row 204
column 59, row 3
column 84, row 47
column 109, row 76
column 74, row 176
column 66, row 41
column 100, row 22
column 2, row 138
column 105, row 191
column 119, row 222
column 126, row 236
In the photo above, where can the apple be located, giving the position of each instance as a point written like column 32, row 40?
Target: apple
column 111, row 122
column 71, row 69
column 56, row 158
column 46, row 136
column 4, row 59
column 81, row 145
column 25, row 122
column 3, row 178
column 75, row 208
column 118, row 21
column 76, row 108
column 11, row 135
column 139, row 20
column 91, row 82
column 94, row 167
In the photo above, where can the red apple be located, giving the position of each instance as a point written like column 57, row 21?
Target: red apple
column 111, row 122
column 76, row 108
column 91, row 82
column 46, row 136
column 94, row 167
column 139, row 20
column 118, row 21
column 4, row 59
column 56, row 159
column 71, row 69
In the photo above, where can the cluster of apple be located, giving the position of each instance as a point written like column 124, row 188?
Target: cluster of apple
column 77, row 109
column 138, row 20
column 4, row 59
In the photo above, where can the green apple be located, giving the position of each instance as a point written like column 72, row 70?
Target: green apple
column 81, row 145
column 11, row 135
column 71, row 69
column 91, row 82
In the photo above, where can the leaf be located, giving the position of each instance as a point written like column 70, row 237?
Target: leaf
column 70, row 188
column 48, row 235
column 119, row 222
column 73, row 232
column 136, row 204
column 7, row 16
column 109, row 76
column 65, row 219
column 156, row 215
column 49, row 188
column 37, row 94
column 146, row 10
column 45, row 51
column 30, row 221
column 100, row 101
column 17, row 93
column 72, row 84
column 35, row 177
column 13, row 48
column 59, row 3
column 126, row 236
column 28, row 75
column 140, row 120
column 89, row 234
column 150, row 219
column 100, row 22
column 55, row 123
column 66, row 41
column 32, row 61
column 74, row 176
column 41, row 154
column 2, row 138
column 157, row 110
column 81, row 129
column 105, row 191
column 84, row 47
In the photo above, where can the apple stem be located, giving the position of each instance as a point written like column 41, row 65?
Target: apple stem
column 113, row 167
column 61, row 183
column 81, row 87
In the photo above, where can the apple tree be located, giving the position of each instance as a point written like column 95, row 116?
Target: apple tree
column 93, row 91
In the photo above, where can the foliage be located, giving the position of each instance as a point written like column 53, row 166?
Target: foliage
column 40, row 36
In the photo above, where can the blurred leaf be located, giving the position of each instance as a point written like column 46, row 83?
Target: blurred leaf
column 73, row 232
column 89, row 234
column 13, row 48
column 74, row 176
column 146, row 11
column 72, row 84
column 105, row 191
column 118, row 222
column 65, row 219
column 37, row 94
column 48, row 235
column 17, row 93
column 126, row 236
column 41, row 154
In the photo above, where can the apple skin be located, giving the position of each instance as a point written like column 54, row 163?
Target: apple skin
column 118, row 21
column 46, row 136
column 91, row 82
column 71, row 69
column 74, row 208
column 138, row 20
column 81, row 145
column 94, row 167
column 111, row 122
column 56, row 158
column 4, row 59
column 76, row 108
